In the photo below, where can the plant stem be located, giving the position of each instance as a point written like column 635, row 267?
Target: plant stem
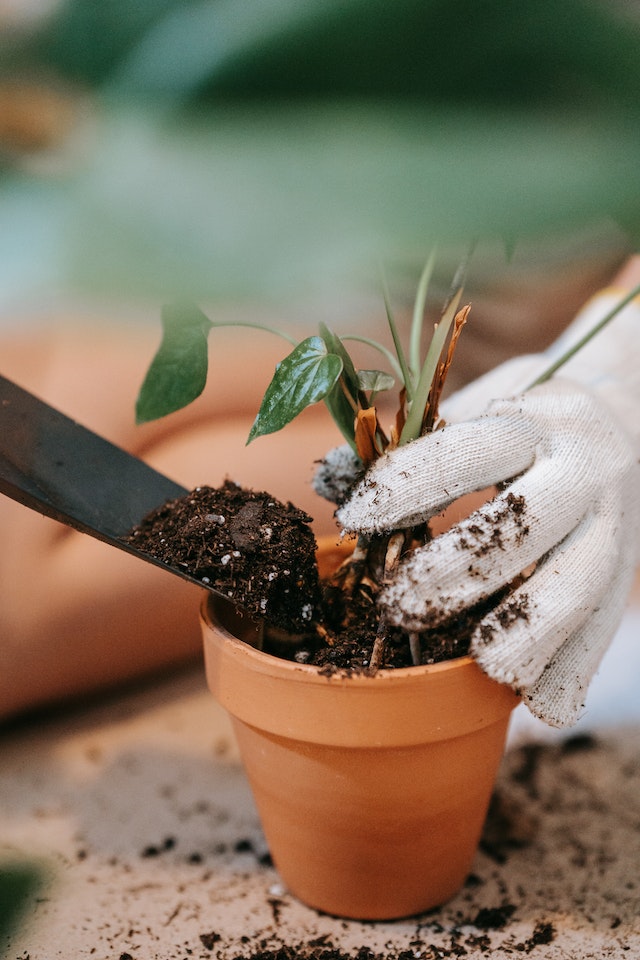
column 413, row 425
column 418, row 316
column 571, row 352
column 377, row 654
column 460, row 276
column 255, row 326
column 353, row 403
column 387, row 354
column 392, row 555
column 397, row 343
column 414, row 646
column 354, row 565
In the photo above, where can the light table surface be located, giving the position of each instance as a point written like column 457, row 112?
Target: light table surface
column 135, row 814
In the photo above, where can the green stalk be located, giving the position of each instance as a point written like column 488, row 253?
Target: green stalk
column 413, row 425
column 255, row 326
column 380, row 348
column 397, row 343
column 418, row 316
column 571, row 352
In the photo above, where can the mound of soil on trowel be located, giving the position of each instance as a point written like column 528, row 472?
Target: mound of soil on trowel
column 247, row 545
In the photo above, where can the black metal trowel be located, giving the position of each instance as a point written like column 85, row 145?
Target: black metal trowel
column 53, row 465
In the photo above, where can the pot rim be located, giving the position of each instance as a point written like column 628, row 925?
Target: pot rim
column 288, row 699
column 311, row 672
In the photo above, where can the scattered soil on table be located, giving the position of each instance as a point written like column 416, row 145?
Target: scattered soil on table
column 460, row 943
column 260, row 553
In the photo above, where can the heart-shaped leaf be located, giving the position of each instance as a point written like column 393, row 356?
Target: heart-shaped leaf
column 375, row 380
column 304, row 377
column 178, row 372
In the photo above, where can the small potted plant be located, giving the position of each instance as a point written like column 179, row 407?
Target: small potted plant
column 371, row 751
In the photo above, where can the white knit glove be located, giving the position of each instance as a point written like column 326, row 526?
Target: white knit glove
column 567, row 454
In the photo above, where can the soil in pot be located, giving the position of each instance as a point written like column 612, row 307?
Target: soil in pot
column 261, row 553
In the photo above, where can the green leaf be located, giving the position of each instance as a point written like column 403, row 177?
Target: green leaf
column 337, row 402
column 417, row 322
column 397, row 342
column 305, row 376
column 343, row 413
column 178, row 372
column 411, row 429
column 375, row 380
column 335, row 345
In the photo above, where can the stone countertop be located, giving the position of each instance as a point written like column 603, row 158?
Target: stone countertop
column 129, row 828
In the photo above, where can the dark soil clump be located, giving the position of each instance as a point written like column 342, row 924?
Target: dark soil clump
column 352, row 637
column 246, row 545
column 494, row 918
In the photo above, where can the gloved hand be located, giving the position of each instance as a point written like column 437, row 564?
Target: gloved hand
column 565, row 456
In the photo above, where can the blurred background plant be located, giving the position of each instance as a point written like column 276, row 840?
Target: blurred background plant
column 21, row 882
column 269, row 150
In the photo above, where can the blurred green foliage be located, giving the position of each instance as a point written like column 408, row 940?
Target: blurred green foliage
column 434, row 50
column 263, row 147
column 20, row 882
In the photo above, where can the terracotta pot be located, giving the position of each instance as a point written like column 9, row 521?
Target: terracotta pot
column 372, row 791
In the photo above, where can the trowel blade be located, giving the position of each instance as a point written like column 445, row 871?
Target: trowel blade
column 53, row 465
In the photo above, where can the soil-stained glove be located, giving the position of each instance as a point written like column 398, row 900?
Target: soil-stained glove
column 565, row 457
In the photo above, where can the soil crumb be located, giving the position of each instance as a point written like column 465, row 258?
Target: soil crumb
column 494, row 918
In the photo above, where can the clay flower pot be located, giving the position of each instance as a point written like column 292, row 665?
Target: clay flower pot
column 372, row 791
